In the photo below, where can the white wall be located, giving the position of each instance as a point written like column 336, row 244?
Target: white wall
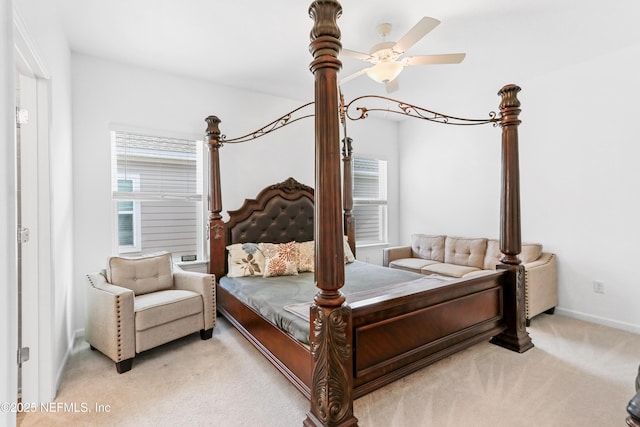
column 43, row 27
column 578, row 157
column 581, row 181
column 107, row 93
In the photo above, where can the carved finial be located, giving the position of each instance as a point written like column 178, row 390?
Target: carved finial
column 213, row 131
column 325, row 34
column 510, row 105
column 325, row 14
column 509, row 94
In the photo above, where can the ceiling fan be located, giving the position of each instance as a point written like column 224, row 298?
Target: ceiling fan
column 386, row 55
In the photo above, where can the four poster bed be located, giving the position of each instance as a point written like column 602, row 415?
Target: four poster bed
column 332, row 337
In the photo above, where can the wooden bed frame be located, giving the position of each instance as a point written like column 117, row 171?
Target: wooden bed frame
column 355, row 350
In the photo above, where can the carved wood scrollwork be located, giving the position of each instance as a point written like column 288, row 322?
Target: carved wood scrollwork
column 290, row 186
column 331, row 352
column 217, row 231
column 520, row 296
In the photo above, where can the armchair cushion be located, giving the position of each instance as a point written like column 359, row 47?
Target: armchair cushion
column 411, row 264
column 451, row 270
column 142, row 275
column 157, row 308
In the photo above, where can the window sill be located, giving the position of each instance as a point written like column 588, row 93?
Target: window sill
column 198, row 265
column 371, row 245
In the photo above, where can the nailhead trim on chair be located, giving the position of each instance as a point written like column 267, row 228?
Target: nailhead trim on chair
column 213, row 299
column 119, row 329
column 526, row 282
column 526, row 293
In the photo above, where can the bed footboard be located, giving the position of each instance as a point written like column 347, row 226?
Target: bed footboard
column 394, row 335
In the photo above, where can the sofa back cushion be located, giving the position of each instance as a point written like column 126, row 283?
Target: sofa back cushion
column 465, row 251
column 149, row 273
column 428, row 247
column 530, row 252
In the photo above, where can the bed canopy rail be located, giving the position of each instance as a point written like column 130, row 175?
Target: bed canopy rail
column 299, row 113
column 353, row 110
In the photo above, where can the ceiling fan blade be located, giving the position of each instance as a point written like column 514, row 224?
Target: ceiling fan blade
column 392, row 86
column 421, row 29
column 446, row 58
column 354, row 54
column 354, row 75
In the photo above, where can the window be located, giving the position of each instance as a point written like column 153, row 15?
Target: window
column 157, row 194
column 128, row 217
column 370, row 200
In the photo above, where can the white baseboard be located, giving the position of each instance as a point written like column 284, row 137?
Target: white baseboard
column 629, row 327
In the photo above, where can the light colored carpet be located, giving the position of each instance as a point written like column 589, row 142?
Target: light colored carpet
column 579, row 374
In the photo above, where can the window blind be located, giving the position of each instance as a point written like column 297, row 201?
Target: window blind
column 370, row 200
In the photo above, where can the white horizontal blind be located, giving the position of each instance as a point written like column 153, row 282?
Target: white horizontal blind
column 157, row 190
column 370, row 200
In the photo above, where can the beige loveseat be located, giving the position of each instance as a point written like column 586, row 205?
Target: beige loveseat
column 466, row 257
column 139, row 303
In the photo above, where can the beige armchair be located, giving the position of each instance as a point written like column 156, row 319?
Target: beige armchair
column 140, row 303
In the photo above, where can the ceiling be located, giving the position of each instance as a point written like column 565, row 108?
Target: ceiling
column 264, row 47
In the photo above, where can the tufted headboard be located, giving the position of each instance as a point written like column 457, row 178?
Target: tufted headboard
column 279, row 214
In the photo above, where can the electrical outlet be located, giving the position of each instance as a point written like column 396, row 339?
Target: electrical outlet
column 598, row 286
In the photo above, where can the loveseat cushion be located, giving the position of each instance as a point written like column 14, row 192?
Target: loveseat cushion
column 411, row 264
column 149, row 273
column 451, row 270
column 161, row 307
column 530, row 252
column 465, row 252
column 428, row 247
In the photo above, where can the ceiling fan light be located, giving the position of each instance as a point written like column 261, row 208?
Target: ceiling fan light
column 385, row 71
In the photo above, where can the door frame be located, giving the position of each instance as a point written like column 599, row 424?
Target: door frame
column 42, row 384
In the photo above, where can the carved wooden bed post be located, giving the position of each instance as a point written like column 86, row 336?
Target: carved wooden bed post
column 347, row 201
column 216, row 230
column 515, row 337
column 331, row 340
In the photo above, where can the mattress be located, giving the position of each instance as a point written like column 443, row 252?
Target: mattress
column 285, row 300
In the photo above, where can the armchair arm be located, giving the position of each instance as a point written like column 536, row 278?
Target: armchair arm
column 109, row 325
column 395, row 252
column 205, row 285
column 541, row 284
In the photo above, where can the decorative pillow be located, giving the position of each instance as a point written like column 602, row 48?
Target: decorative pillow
column 306, row 256
column 348, row 255
column 245, row 259
column 280, row 259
